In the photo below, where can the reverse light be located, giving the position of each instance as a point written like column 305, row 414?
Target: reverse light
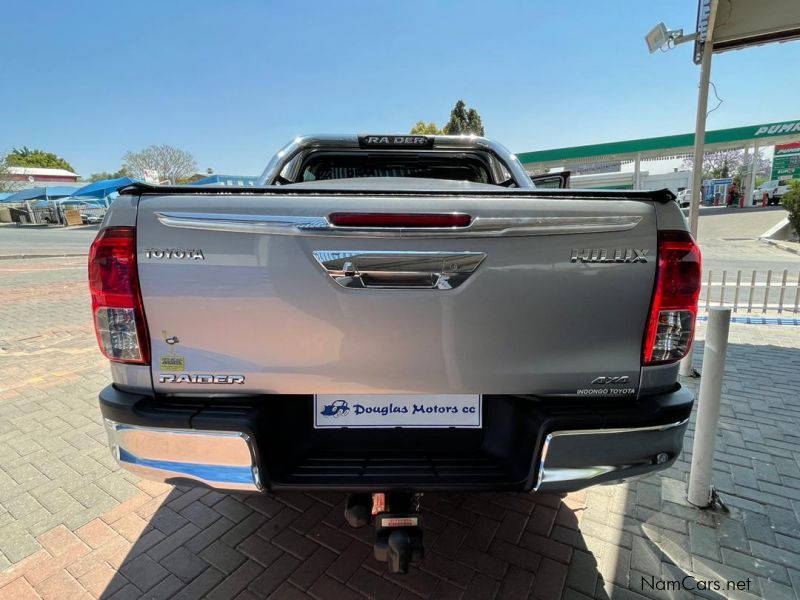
column 116, row 300
column 670, row 325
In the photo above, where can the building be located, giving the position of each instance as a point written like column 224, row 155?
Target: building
column 625, row 180
column 30, row 177
column 229, row 180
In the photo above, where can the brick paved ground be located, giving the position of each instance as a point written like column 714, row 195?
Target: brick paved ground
column 73, row 525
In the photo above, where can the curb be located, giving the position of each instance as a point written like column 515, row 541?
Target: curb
column 780, row 245
column 27, row 256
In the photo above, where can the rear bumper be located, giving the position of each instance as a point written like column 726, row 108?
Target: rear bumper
column 265, row 443
column 218, row 459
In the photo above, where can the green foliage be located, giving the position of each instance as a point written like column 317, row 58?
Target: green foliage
column 422, row 128
column 474, row 122
column 123, row 172
column 462, row 121
column 7, row 184
column 27, row 157
column 791, row 202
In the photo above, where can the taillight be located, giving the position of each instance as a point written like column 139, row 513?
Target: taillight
column 670, row 326
column 400, row 219
column 116, row 300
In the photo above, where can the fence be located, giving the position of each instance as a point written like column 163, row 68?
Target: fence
column 752, row 292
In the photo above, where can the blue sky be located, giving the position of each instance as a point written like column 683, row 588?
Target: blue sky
column 233, row 81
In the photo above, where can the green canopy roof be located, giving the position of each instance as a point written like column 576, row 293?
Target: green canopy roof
column 665, row 146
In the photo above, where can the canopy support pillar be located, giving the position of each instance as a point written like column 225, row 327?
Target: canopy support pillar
column 751, row 183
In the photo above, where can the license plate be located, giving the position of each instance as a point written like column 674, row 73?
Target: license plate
column 462, row 411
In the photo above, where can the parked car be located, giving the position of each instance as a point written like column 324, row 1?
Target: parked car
column 684, row 198
column 393, row 314
column 91, row 218
column 774, row 189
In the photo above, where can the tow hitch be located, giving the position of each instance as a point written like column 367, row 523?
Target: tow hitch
column 398, row 531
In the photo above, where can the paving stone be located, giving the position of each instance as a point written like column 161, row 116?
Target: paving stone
column 703, row 541
column 143, row 572
column 258, row 549
column 758, row 527
column 309, row 570
column 349, row 561
column 451, row 571
column 274, row 575
column 373, row 586
column 327, row 587
column 236, row 581
column 184, row 564
column 222, row 557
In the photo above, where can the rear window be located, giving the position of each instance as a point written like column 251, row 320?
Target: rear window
column 324, row 167
column 784, row 182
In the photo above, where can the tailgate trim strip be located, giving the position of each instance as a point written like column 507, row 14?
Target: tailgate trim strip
column 320, row 226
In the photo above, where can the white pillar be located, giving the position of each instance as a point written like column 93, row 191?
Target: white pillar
column 637, row 172
column 708, row 403
column 751, row 185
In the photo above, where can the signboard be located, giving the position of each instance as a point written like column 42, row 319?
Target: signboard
column 724, row 181
column 73, row 216
column 151, row 176
column 786, row 161
column 397, row 410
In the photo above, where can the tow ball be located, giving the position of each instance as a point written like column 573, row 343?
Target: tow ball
column 398, row 531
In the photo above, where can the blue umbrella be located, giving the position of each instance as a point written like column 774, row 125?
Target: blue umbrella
column 104, row 187
column 41, row 193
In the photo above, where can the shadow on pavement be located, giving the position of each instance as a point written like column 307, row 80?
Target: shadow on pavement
column 637, row 539
column 201, row 543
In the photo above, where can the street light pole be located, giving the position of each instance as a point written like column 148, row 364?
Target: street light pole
column 697, row 163
column 699, row 137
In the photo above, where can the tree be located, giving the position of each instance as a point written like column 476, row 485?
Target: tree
column 729, row 163
column 462, row 121
column 27, row 157
column 123, row 172
column 7, row 183
column 170, row 162
column 430, row 128
column 474, row 122
column 791, row 202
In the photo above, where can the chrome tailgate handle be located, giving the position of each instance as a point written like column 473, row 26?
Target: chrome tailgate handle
column 399, row 270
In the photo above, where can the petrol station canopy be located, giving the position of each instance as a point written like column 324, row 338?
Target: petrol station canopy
column 668, row 146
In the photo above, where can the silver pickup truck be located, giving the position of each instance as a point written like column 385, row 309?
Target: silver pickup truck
column 387, row 315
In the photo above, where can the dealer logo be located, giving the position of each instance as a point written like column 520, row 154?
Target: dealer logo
column 337, row 408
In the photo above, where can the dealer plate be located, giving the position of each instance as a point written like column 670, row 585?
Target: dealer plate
column 461, row 411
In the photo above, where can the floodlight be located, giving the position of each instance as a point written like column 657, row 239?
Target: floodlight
column 657, row 37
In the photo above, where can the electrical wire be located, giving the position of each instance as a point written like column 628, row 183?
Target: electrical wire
column 720, row 100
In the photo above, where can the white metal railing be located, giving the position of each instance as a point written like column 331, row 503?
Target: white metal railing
column 752, row 292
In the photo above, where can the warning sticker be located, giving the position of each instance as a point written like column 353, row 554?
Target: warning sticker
column 172, row 362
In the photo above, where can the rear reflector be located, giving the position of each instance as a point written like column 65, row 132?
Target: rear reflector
column 670, row 325
column 116, row 300
column 399, row 220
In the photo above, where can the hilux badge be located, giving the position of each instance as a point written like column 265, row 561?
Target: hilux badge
column 602, row 255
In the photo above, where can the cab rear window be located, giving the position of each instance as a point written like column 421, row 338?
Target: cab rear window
column 327, row 167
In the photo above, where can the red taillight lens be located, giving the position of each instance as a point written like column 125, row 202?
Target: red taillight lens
column 116, row 301
column 400, row 219
column 670, row 325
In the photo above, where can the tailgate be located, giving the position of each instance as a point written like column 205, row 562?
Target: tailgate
column 257, row 294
